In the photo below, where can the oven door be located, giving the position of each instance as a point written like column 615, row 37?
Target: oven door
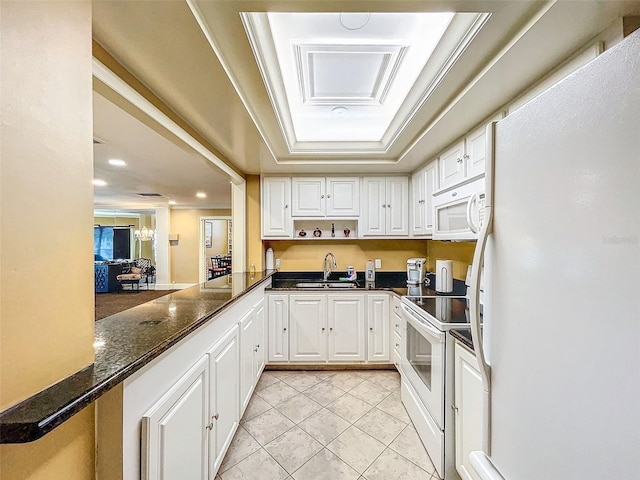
column 423, row 358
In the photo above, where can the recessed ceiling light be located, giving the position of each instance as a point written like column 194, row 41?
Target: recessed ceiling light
column 172, row 202
column 339, row 110
column 99, row 183
column 354, row 21
column 201, row 195
column 116, row 162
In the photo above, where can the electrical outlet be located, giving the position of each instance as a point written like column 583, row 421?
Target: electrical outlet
column 277, row 263
column 378, row 263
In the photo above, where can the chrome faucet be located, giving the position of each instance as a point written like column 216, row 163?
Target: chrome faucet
column 332, row 264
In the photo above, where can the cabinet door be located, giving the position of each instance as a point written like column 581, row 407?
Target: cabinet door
column 278, row 327
column 468, row 408
column 452, row 166
column 378, row 320
column 174, row 433
column 475, row 152
column 224, row 359
column 260, row 348
column 345, row 319
column 247, row 346
column 374, row 206
column 418, row 203
column 431, row 185
column 276, row 214
column 308, row 337
column 343, row 197
column 308, row 197
column 397, row 208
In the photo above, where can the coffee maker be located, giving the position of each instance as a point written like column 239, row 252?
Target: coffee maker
column 415, row 270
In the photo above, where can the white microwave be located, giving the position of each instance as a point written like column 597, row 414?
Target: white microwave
column 459, row 212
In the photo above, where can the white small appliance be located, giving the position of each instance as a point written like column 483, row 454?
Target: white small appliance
column 415, row 270
column 459, row 213
column 444, row 276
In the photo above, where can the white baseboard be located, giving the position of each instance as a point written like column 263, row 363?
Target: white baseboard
column 173, row 286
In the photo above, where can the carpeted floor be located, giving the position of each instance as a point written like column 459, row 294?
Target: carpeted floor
column 111, row 303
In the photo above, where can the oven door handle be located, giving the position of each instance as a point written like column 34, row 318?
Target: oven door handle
column 423, row 324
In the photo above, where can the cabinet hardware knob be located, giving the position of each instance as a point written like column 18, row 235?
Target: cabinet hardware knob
column 388, row 206
column 331, row 329
column 323, row 329
column 384, row 206
column 258, row 346
column 455, row 409
column 397, row 325
column 286, row 206
column 459, row 160
column 255, row 349
column 397, row 344
column 465, row 156
column 328, row 196
column 216, row 416
column 321, row 196
column 371, row 329
column 209, row 427
column 285, row 329
column 454, row 194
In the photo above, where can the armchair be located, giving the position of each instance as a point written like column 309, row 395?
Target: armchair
column 139, row 272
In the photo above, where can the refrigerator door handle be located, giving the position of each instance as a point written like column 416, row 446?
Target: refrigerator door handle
column 474, row 297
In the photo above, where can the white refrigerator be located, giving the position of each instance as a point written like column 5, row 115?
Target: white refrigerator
column 560, row 344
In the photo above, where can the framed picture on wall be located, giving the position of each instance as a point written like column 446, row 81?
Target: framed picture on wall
column 208, row 234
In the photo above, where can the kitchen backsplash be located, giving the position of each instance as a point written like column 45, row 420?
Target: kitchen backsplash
column 305, row 256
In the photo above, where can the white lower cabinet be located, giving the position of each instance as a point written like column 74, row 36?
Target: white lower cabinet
column 346, row 321
column 187, row 432
column 174, row 441
column 259, row 352
column 378, row 319
column 308, row 338
column 278, row 327
column 468, row 409
column 252, row 348
column 248, row 342
column 224, row 401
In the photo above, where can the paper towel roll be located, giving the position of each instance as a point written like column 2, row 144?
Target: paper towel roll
column 269, row 259
column 444, row 276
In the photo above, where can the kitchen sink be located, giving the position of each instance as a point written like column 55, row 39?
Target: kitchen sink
column 343, row 285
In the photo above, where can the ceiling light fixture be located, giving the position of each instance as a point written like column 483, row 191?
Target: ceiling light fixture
column 99, row 183
column 172, row 202
column 354, row 21
column 201, row 195
column 339, row 110
column 116, row 162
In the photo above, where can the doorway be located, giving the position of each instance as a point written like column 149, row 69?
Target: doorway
column 215, row 251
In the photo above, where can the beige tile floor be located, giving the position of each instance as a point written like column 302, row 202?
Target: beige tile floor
column 344, row 425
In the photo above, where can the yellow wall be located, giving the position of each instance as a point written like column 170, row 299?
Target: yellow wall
column 460, row 252
column 255, row 250
column 185, row 253
column 301, row 255
column 45, row 186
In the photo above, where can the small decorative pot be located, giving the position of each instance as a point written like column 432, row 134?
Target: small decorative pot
column 347, row 232
column 317, row 232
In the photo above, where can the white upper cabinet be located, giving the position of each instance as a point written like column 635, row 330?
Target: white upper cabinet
column 385, row 202
column 276, row 211
column 308, row 197
column 330, row 197
column 343, row 197
column 423, row 184
column 475, row 156
column 452, row 165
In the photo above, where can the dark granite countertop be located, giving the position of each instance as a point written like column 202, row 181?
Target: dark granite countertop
column 124, row 343
column 463, row 336
column 388, row 281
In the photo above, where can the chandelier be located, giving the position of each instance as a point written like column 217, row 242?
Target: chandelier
column 144, row 234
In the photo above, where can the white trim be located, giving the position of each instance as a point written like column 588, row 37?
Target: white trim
column 109, row 78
